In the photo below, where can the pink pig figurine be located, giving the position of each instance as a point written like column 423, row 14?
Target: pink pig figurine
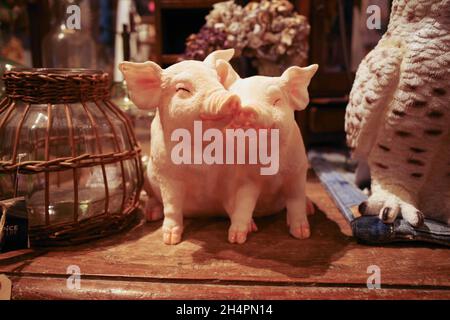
column 273, row 100
column 192, row 94
column 183, row 93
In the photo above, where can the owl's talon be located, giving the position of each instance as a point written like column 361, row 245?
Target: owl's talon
column 412, row 215
column 421, row 218
column 390, row 211
column 385, row 214
column 362, row 207
column 388, row 207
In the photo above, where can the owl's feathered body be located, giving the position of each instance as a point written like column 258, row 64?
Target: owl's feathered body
column 398, row 117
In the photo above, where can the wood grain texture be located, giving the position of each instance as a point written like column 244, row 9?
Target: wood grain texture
column 33, row 288
column 271, row 264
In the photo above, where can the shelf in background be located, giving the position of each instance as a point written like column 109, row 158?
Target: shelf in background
column 178, row 4
column 171, row 58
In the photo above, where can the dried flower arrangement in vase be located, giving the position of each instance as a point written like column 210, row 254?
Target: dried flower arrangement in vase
column 271, row 32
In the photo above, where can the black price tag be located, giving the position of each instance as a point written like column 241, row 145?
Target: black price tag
column 13, row 225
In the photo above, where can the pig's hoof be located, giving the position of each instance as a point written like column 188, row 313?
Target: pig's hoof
column 237, row 235
column 172, row 235
column 252, row 226
column 154, row 213
column 300, row 231
column 309, row 207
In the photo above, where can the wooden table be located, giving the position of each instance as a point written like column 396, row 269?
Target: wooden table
column 271, row 265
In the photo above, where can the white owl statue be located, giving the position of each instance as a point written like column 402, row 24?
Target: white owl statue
column 398, row 116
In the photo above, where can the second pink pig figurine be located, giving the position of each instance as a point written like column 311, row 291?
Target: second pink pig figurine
column 200, row 163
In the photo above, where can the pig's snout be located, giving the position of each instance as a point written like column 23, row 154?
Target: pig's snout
column 221, row 104
column 252, row 116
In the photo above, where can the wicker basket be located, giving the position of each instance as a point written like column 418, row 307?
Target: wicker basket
column 71, row 152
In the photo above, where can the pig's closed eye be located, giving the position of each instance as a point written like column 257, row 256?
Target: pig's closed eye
column 275, row 103
column 183, row 89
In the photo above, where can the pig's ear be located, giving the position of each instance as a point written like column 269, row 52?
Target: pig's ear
column 143, row 82
column 214, row 56
column 226, row 73
column 295, row 82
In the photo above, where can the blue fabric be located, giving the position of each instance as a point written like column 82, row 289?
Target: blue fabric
column 371, row 229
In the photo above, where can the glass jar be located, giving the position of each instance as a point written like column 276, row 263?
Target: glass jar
column 66, row 47
column 70, row 151
column 5, row 65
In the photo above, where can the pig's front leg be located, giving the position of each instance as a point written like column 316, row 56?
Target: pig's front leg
column 296, row 205
column 153, row 208
column 241, row 213
column 172, row 194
